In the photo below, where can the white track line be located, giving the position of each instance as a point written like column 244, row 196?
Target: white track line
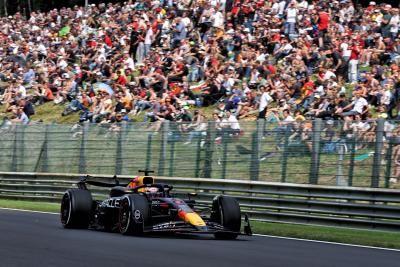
column 327, row 242
column 269, row 236
column 33, row 211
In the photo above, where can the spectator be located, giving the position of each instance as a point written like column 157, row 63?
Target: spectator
column 248, row 56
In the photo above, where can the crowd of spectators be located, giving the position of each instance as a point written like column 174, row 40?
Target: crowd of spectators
column 280, row 60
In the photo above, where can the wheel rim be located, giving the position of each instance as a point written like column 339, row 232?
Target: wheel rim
column 65, row 209
column 124, row 216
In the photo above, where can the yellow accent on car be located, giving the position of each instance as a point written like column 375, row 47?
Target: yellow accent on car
column 194, row 219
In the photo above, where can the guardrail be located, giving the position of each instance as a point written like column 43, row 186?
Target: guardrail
column 274, row 202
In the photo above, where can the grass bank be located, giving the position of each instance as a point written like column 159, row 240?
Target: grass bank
column 373, row 238
column 332, row 234
column 27, row 205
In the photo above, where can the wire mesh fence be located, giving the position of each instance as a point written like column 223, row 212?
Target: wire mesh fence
column 344, row 153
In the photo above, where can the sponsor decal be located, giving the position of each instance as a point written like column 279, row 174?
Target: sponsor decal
column 111, row 203
column 137, row 214
column 164, row 226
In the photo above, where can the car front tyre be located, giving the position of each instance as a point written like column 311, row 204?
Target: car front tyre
column 226, row 211
column 134, row 214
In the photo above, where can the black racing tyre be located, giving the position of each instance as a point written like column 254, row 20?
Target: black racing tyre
column 226, row 211
column 134, row 214
column 76, row 208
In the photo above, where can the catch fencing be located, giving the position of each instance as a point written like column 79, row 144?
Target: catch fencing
column 362, row 154
column 370, row 208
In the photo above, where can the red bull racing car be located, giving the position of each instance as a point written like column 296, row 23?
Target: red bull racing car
column 143, row 206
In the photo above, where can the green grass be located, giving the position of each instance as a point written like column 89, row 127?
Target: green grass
column 374, row 238
column 51, row 113
column 27, row 205
column 332, row 234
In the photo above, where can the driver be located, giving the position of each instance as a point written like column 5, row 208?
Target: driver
column 136, row 181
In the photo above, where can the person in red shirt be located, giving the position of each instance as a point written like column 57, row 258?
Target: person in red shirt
column 323, row 24
column 108, row 41
column 353, row 63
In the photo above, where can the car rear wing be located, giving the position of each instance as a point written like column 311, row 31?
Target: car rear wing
column 84, row 181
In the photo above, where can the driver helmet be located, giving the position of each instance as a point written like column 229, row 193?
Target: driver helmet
column 134, row 182
column 152, row 192
column 151, row 189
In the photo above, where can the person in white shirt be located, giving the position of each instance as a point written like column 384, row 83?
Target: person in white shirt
column 303, row 4
column 128, row 61
column 346, row 52
column 228, row 82
column 281, row 10
column 42, row 51
column 284, row 124
column 218, row 20
column 265, row 100
column 291, row 15
column 394, row 23
column 62, row 64
column 275, row 7
column 233, row 123
column 148, row 40
column 287, row 118
column 359, row 106
column 284, row 50
column 21, row 90
column 328, row 75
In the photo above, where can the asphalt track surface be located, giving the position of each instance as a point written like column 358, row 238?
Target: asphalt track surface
column 37, row 239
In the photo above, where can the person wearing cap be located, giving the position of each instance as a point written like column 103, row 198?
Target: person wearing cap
column 124, row 115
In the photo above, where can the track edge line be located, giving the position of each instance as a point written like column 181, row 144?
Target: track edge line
column 326, row 242
column 33, row 211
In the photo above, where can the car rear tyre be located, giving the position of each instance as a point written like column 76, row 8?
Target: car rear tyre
column 226, row 211
column 76, row 208
column 134, row 214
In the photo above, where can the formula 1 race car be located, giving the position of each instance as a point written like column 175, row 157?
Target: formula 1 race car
column 142, row 206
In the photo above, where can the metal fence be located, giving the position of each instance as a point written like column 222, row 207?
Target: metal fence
column 372, row 208
column 316, row 152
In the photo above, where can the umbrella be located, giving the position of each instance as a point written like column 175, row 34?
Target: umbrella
column 64, row 31
column 103, row 87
